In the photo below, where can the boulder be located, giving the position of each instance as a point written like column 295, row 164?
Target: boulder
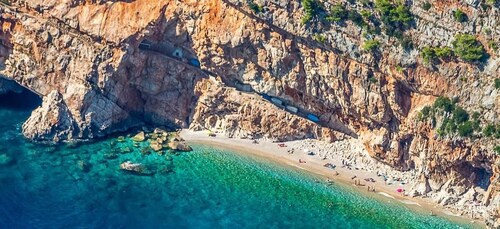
column 179, row 146
column 136, row 168
column 156, row 146
column 140, row 137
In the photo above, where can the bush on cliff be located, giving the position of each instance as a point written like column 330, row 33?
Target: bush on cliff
column 459, row 16
column 256, row 8
column 497, row 150
column 371, row 45
column 466, row 129
column 444, row 103
column 338, row 13
column 312, row 9
column 428, row 55
column 468, row 48
column 460, row 115
column 394, row 16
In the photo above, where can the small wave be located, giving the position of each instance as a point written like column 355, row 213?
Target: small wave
column 386, row 195
column 409, row 202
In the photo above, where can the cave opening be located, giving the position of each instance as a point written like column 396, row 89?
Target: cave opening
column 478, row 176
column 19, row 99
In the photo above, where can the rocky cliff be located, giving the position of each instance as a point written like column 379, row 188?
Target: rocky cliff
column 364, row 69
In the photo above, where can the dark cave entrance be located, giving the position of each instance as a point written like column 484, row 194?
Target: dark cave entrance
column 478, row 176
column 19, row 98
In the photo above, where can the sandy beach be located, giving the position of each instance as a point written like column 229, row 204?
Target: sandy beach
column 349, row 165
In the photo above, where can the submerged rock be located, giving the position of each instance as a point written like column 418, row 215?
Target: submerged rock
column 140, row 137
column 156, row 146
column 179, row 146
column 84, row 166
column 136, row 168
column 5, row 160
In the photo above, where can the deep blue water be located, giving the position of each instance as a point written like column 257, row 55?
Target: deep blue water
column 45, row 187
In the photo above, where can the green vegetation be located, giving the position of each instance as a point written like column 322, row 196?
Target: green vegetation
column 319, row 38
column 492, row 131
column 428, row 55
column 371, row 45
column 468, row 48
column 372, row 79
column 455, row 119
column 459, row 16
column 356, row 18
column 427, row 6
column 312, row 9
column 444, row 52
column 366, row 14
column 396, row 17
column 489, row 130
column 444, row 103
column 466, row 129
column 460, row 115
column 493, row 45
column 255, row 8
column 497, row 150
column 338, row 13
column 492, row 2
column 497, row 83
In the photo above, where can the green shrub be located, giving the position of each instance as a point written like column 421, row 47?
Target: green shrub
column 394, row 16
column 497, row 150
column 493, row 45
column 497, row 83
column 491, row 2
column 320, row 38
column 356, row 18
column 459, row 16
column 427, row 6
column 372, row 79
column 371, row 45
column 401, row 15
column 444, row 103
column 489, row 130
column 338, row 13
column 312, row 9
column 425, row 112
column 444, row 52
column 475, row 115
column 466, row 129
column 460, row 115
column 256, row 8
column 428, row 54
column 366, row 14
column 468, row 48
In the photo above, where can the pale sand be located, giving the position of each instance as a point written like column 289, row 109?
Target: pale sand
column 314, row 164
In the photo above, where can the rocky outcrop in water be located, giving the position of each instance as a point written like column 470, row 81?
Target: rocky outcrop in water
column 108, row 66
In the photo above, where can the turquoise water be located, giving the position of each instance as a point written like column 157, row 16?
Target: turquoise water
column 81, row 186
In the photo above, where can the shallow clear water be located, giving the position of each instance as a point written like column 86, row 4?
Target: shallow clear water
column 45, row 187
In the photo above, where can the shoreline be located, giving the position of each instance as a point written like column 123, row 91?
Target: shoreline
column 342, row 175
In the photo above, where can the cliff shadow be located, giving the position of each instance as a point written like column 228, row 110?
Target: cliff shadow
column 15, row 97
column 154, row 82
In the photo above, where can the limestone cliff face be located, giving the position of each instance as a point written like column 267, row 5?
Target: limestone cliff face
column 84, row 58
